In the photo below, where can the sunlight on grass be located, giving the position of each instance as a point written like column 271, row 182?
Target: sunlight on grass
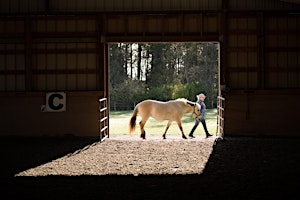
column 119, row 120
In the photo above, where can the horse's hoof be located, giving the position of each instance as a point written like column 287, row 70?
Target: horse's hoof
column 143, row 137
column 184, row 137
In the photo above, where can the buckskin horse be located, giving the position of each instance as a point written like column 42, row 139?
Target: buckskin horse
column 172, row 110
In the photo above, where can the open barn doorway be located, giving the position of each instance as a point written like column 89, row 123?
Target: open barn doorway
column 162, row 71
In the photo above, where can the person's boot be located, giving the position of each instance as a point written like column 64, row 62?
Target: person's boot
column 208, row 135
column 193, row 129
column 191, row 133
column 205, row 129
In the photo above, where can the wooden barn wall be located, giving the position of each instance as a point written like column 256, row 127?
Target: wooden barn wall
column 31, row 6
column 21, row 115
column 40, row 54
column 262, row 113
column 263, row 74
column 237, row 5
column 162, row 27
column 61, row 45
column 64, row 64
column 56, row 62
column 23, row 6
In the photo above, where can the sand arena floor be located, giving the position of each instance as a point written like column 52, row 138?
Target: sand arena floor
column 130, row 155
column 235, row 168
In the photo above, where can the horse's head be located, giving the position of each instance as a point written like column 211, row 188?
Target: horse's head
column 196, row 110
column 196, row 113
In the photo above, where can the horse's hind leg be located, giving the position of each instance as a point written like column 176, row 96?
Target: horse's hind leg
column 167, row 127
column 143, row 132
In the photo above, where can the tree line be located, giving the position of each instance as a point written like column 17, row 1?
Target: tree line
column 162, row 71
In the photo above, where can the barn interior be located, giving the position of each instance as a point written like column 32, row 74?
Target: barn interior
column 54, row 50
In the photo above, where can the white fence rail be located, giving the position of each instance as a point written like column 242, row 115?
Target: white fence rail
column 220, row 116
column 104, row 119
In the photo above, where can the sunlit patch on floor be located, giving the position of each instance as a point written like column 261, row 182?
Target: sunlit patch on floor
column 130, row 155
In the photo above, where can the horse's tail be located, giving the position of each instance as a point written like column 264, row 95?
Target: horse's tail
column 132, row 120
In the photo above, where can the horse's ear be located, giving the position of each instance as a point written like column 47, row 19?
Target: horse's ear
column 191, row 103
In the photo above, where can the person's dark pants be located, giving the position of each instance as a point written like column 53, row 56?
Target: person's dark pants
column 196, row 125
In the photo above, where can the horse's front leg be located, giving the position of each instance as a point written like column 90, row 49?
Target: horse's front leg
column 180, row 127
column 167, row 127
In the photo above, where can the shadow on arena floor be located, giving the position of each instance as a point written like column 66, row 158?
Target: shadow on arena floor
column 238, row 168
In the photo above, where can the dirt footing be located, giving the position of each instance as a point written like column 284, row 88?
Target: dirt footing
column 238, row 168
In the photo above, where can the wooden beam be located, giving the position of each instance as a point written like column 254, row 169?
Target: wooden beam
column 159, row 38
column 261, row 50
column 28, row 52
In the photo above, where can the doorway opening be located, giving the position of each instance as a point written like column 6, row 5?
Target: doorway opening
column 162, row 71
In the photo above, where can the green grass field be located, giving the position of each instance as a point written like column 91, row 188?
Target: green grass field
column 119, row 120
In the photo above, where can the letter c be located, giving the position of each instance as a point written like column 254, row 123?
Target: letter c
column 51, row 102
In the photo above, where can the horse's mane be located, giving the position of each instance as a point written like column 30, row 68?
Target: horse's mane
column 182, row 100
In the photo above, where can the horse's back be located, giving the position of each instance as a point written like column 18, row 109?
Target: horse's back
column 158, row 109
column 172, row 104
column 150, row 104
